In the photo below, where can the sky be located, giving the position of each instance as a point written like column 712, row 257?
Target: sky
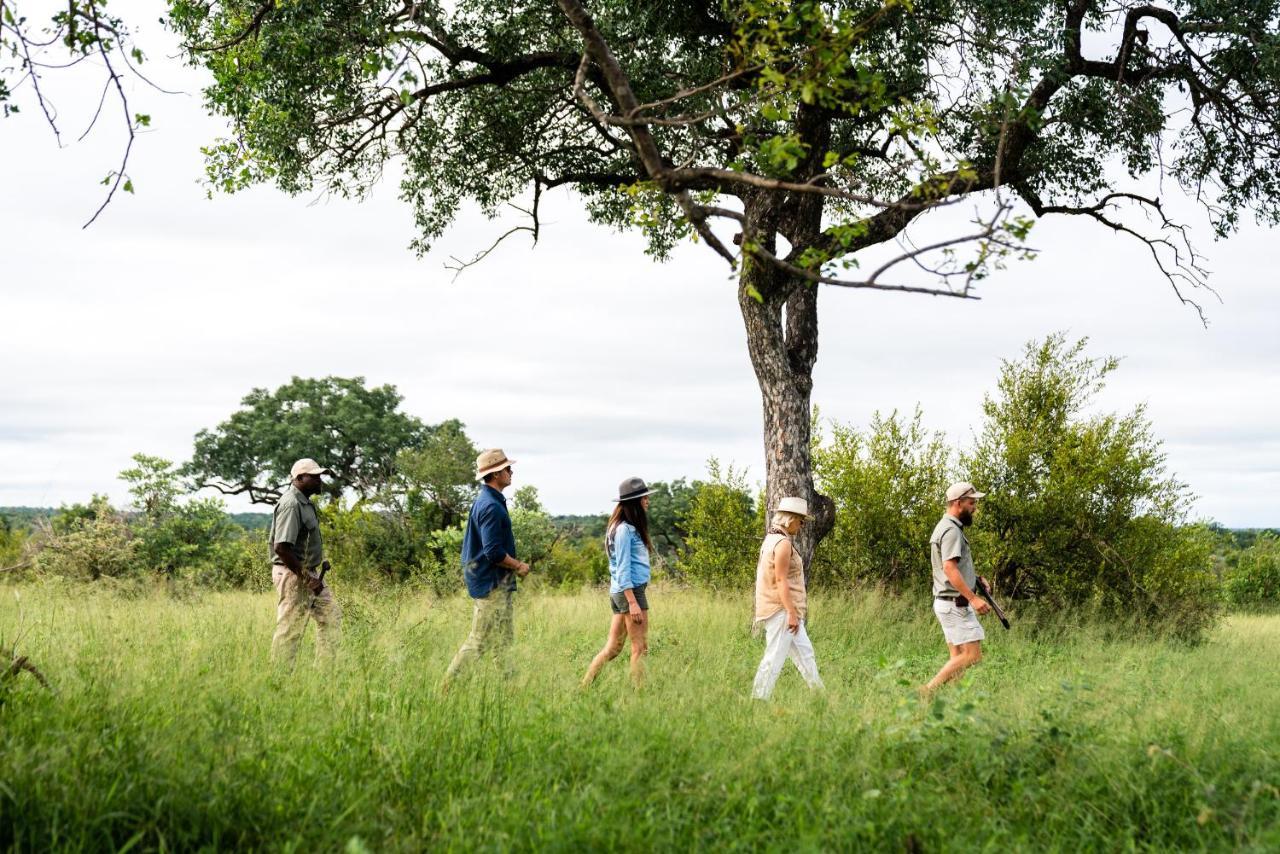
column 582, row 358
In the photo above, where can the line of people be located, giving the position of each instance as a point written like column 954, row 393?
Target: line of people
column 491, row 568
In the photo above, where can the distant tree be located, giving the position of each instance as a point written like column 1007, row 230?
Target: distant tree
column 356, row 431
column 887, row 482
column 439, row 473
column 668, row 507
column 154, row 483
column 724, row 529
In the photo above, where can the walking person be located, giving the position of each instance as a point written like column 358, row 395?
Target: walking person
column 296, row 553
column 954, row 600
column 489, row 565
column 781, row 601
column 627, row 544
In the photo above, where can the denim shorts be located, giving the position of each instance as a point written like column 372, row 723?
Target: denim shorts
column 619, row 604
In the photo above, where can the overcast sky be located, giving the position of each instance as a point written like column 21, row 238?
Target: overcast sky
column 153, row 323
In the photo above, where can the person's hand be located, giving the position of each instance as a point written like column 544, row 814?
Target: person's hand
column 314, row 584
column 522, row 570
column 980, row 605
column 793, row 620
column 637, row 615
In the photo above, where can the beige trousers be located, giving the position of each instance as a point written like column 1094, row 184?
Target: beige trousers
column 492, row 630
column 295, row 605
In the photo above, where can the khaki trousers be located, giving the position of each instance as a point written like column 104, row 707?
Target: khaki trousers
column 295, row 605
column 492, row 630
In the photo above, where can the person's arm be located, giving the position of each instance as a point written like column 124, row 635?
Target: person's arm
column 491, row 545
column 781, row 567
column 622, row 547
column 951, row 567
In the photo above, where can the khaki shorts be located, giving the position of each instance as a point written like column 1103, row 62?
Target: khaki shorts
column 959, row 625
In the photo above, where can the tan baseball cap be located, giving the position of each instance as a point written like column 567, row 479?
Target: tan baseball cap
column 490, row 461
column 308, row 466
column 963, row 489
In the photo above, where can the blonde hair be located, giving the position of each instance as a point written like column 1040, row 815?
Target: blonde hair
column 782, row 518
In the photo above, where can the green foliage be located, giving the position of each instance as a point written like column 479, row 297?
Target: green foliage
column 668, row 508
column 887, row 484
column 1080, row 508
column 353, row 430
column 438, row 475
column 154, row 484
column 88, row 544
column 725, row 526
column 13, row 542
column 1254, row 581
column 532, row 526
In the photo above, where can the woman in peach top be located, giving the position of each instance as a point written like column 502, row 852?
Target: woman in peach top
column 781, row 601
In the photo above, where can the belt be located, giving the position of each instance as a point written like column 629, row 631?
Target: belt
column 960, row 601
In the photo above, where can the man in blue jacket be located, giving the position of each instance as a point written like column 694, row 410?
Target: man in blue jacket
column 489, row 564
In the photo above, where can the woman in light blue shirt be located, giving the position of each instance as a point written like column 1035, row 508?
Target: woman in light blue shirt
column 627, row 542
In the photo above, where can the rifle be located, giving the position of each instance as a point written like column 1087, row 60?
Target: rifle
column 985, row 592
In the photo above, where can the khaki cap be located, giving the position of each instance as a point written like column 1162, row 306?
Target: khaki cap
column 308, row 466
column 798, row 506
column 490, row 461
column 963, row 489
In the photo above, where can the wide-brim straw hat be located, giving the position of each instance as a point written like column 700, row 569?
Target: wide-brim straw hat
column 798, row 506
column 631, row 489
column 494, row 459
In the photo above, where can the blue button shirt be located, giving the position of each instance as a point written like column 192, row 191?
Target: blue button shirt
column 628, row 558
column 488, row 539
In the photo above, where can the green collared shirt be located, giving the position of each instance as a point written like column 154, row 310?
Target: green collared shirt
column 295, row 522
column 948, row 542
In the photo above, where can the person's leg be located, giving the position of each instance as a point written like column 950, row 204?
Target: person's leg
column 639, row 633
column 966, row 655
column 482, row 620
column 803, row 658
column 291, row 615
column 612, row 646
column 328, row 616
column 504, row 632
column 777, row 643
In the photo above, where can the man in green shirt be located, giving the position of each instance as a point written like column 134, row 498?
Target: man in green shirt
column 296, row 553
column 955, row 603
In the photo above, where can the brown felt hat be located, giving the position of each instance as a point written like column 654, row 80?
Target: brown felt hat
column 490, row 461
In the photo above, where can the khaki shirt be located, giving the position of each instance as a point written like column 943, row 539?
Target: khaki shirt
column 295, row 522
column 948, row 542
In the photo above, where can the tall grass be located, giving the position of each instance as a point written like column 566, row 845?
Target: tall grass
column 169, row 730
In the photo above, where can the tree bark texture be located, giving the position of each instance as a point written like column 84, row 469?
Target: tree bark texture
column 780, row 314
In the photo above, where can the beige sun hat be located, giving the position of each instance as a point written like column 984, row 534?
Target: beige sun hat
column 308, row 466
column 963, row 489
column 798, row 506
column 490, row 461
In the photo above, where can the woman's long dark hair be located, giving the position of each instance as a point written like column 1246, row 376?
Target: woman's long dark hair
column 633, row 514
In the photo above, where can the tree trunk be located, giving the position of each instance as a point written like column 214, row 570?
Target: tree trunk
column 781, row 318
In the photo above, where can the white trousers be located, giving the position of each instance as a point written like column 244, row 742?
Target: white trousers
column 779, row 645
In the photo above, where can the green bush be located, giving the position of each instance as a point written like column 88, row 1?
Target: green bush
column 887, row 484
column 1254, row 582
column 1080, row 509
column 724, row 527
column 89, row 546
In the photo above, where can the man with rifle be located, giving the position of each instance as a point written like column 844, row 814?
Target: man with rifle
column 954, row 584
column 296, row 554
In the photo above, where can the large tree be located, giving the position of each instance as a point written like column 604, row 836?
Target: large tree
column 821, row 133
column 356, row 431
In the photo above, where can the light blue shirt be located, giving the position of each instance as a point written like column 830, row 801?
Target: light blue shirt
column 628, row 558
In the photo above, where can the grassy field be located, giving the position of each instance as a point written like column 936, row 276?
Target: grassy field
column 168, row 730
